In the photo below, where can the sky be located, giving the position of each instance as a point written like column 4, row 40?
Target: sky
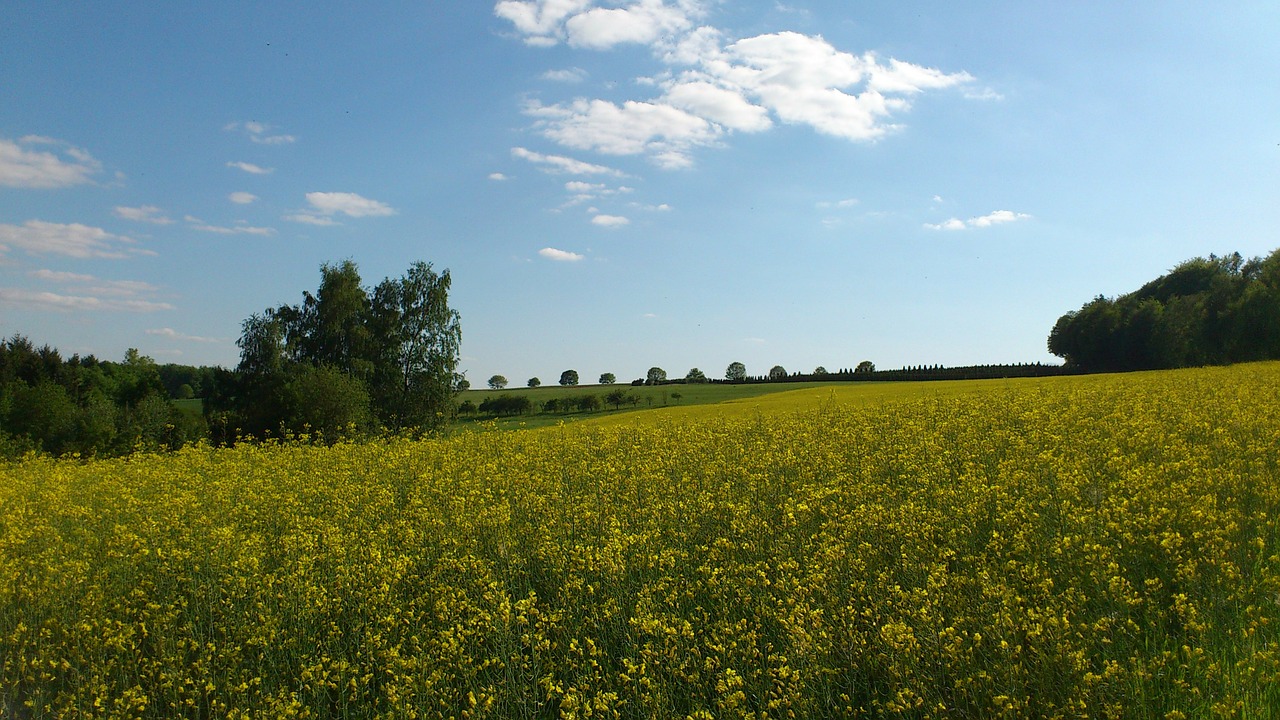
column 621, row 184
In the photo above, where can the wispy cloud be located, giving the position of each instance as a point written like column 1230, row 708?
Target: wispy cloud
column 560, row 255
column 37, row 237
column 498, row 177
column 259, row 133
column 240, row 228
column 145, row 213
column 242, row 198
column 999, row 217
column 85, row 293
column 567, row 75
column 60, row 165
column 562, row 164
column 251, row 168
column 175, row 335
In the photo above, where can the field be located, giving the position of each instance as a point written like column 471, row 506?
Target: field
column 1098, row 546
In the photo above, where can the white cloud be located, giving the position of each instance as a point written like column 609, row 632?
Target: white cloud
column 240, row 228
column 567, row 75
column 610, row 221
column 349, row 204
column 663, row 132
column 996, row 218
column 740, row 86
column 320, row 220
column 23, row 167
column 719, row 105
column 145, row 213
column 242, row 198
column 838, row 204
column 562, row 164
column 175, row 335
column 38, row 237
column 251, row 168
column 43, row 300
column 541, row 20
column 641, row 22
column 260, row 133
column 560, row 255
column 498, row 177
column 90, row 293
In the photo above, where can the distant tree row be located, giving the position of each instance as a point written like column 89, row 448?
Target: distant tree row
column 1206, row 311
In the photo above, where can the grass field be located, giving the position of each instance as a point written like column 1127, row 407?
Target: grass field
column 1100, row 546
column 649, row 398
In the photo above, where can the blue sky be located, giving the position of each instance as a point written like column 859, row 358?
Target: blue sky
column 618, row 185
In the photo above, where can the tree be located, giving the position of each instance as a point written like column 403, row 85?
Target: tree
column 616, row 398
column 497, row 382
column 819, row 371
column 608, row 379
column 695, row 376
column 866, row 366
column 655, row 376
column 428, row 342
column 534, row 382
column 400, row 343
column 737, row 372
column 328, row 401
column 569, row 378
column 777, row 372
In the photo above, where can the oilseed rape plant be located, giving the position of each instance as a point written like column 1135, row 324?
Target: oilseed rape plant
column 1089, row 547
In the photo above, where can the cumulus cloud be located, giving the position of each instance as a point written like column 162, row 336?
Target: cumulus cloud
column 998, row 217
column 715, row 86
column 242, row 198
column 60, row 165
column 251, row 168
column 663, row 132
column 145, row 213
column 562, row 164
column 642, row 22
column 610, row 221
column 259, row 133
column 560, row 255
column 37, row 237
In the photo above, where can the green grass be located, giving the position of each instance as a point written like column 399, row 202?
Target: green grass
column 651, row 398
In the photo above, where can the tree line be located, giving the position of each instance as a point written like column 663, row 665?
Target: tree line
column 1205, row 311
column 86, row 406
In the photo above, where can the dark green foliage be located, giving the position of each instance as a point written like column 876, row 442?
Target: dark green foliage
column 737, row 372
column 655, row 376
column 346, row 358
column 569, row 378
column 506, row 405
column 1203, row 312
column 695, row 376
column 81, row 405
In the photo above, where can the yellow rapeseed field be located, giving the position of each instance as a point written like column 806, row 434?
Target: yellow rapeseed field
column 1096, row 547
